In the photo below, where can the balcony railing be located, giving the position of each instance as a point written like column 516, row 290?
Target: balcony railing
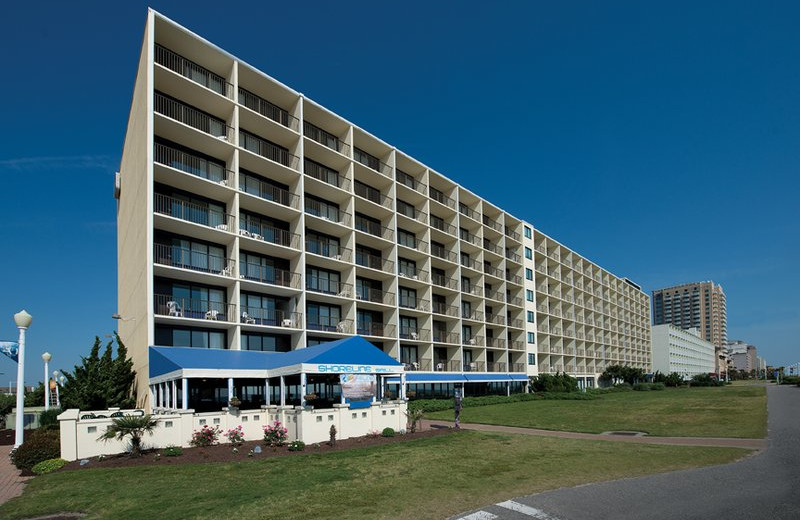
column 271, row 275
column 327, row 212
column 496, row 342
column 492, row 224
column 514, row 300
column 327, row 286
column 191, row 116
column 474, row 340
column 258, row 230
column 474, row 290
column 418, row 304
column 413, row 274
column 329, row 250
column 407, row 180
column 268, row 149
column 191, row 70
column 513, row 234
column 375, row 329
column 369, row 294
column 415, row 334
column 168, row 305
column 474, row 315
column 446, row 310
column 469, row 212
column 325, row 174
column 371, row 162
column 514, row 278
column 418, row 245
column 263, row 190
column 329, row 324
column 495, row 366
column 443, row 226
column 472, row 238
column 324, row 138
column 374, row 262
column 474, row 366
column 443, row 253
column 269, row 110
column 514, row 257
column 443, row 365
column 413, row 366
column 374, row 229
column 174, row 256
column 516, row 345
column 493, row 247
column 495, row 295
column 517, row 367
column 440, row 336
column 443, row 281
column 191, row 164
column 441, row 198
column 498, row 319
column 471, row 263
column 270, row 317
column 192, row 212
column 372, row 195
column 515, row 323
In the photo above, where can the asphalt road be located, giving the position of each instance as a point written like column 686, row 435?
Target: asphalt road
column 765, row 486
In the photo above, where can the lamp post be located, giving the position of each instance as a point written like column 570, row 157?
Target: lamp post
column 46, row 357
column 23, row 321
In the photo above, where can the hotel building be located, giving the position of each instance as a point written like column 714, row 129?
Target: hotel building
column 701, row 305
column 252, row 218
column 682, row 351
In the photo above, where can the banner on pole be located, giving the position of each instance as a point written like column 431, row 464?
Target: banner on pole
column 10, row 349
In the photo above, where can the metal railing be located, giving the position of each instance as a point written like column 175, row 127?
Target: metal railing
column 193, row 212
column 327, row 212
column 516, row 345
column 329, row 250
column 443, row 281
column 371, row 162
column 442, row 365
column 268, row 149
column 374, row 229
column 415, row 334
column 513, row 234
column 515, row 323
column 514, row 257
column 442, row 252
column 495, row 366
column 271, row 275
column 191, row 116
column 498, row 319
column 325, row 174
column 369, row 294
column 413, row 366
column 517, row 367
column 191, row 164
column 492, row 224
column 420, row 275
column 417, row 245
column 493, row 247
column 514, row 300
column 474, row 315
column 174, row 256
column 191, row 70
column 329, row 324
column 324, row 138
column 168, row 305
column 440, row 336
column 327, row 286
column 373, row 328
column 474, row 340
column 495, row 295
column 469, row 212
column 270, row 317
column 496, row 342
column 446, row 310
column 418, row 304
column 472, row 238
column 264, row 190
column 374, row 262
column 410, row 182
column 471, row 263
column 474, row 366
column 269, row 110
column 514, row 278
column 371, row 194
column 441, row 225
column 474, row 290
column 253, row 228
column 441, row 198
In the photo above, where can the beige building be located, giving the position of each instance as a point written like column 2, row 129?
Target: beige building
column 700, row 305
column 743, row 356
column 252, row 218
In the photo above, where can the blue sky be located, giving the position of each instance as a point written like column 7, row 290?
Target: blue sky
column 660, row 141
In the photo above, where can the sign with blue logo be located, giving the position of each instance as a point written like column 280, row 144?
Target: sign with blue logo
column 358, row 389
column 10, row 349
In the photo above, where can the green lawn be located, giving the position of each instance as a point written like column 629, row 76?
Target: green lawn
column 739, row 411
column 428, row 478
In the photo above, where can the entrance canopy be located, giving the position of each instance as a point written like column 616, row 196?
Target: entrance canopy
column 353, row 355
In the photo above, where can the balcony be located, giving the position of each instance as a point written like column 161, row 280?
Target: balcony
column 269, row 275
column 270, row 317
column 471, row 263
column 517, row 367
column 445, row 310
column 471, row 238
column 371, row 194
column 514, row 257
column 327, row 175
column 258, row 230
column 494, row 366
column 512, row 234
column 493, row 247
column 443, row 226
column 441, row 198
column 368, row 294
column 447, row 366
column 411, row 212
column 266, row 191
column 474, row 340
column 414, row 366
column 324, row 138
column 268, row 150
column 327, row 212
column 174, row 256
column 191, row 116
column 516, row 345
column 442, row 252
column 415, row 334
column 469, row 212
column 375, row 329
column 495, row 295
column 474, row 366
column 374, row 229
column 492, row 224
column 440, row 336
column 371, row 162
column 191, row 164
column 326, row 286
column 329, row 250
column 443, row 281
column 329, row 324
column 418, row 275
column 270, row 111
column 168, row 305
column 192, row 212
column 418, row 304
column 474, row 315
column 514, row 278
column 496, row 342
column 473, row 290
column 514, row 300
column 374, row 262
column 497, row 319
column 408, row 181
column 192, row 71
column 515, row 323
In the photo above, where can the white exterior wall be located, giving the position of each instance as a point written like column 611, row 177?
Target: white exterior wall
column 681, row 351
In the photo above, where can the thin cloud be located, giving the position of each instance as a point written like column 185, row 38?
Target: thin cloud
column 89, row 162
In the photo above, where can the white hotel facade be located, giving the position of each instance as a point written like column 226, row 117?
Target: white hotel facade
column 683, row 351
column 252, row 218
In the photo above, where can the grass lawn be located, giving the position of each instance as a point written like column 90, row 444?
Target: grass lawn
column 739, row 411
column 428, row 478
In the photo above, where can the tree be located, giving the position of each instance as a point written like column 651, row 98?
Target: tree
column 101, row 381
column 560, row 382
column 130, row 426
column 36, row 397
column 615, row 373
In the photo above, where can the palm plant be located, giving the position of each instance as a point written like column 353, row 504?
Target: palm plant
column 130, row 426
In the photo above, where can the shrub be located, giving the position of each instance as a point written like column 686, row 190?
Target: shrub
column 275, row 435
column 414, row 417
column 173, row 451
column 704, row 380
column 641, row 387
column 387, row 432
column 42, row 445
column 205, row 436
column 332, row 433
column 674, row 379
column 130, row 426
column 560, row 382
column 48, row 466
column 235, row 435
column 297, row 446
column 657, row 386
column 48, row 419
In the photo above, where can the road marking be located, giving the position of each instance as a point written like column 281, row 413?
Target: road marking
column 526, row 510
column 480, row 515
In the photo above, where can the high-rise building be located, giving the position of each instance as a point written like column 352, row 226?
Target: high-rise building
column 743, row 355
column 252, row 218
column 700, row 305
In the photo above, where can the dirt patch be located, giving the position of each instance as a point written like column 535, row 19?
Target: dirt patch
column 225, row 453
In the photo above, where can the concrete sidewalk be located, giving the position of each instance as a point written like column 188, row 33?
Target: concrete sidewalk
column 11, row 483
column 725, row 442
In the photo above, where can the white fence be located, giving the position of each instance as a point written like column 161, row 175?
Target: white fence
column 79, row 437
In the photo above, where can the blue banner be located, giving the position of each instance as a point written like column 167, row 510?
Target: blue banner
column 10, row 349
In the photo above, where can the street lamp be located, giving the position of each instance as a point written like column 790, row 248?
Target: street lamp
column 23, row 321
column 46, row 357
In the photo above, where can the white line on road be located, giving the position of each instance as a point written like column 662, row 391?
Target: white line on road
column 480, row 515
column 526, row 510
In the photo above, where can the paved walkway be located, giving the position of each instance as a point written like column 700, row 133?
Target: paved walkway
column 11, row 483
column 726, row 442
column 763, row 486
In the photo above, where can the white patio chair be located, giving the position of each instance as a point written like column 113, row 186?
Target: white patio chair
column 174, row 309
column 248, row 319
column 212, row 315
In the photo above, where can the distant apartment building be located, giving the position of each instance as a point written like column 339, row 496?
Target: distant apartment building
column 743, row 356
column 682, row 351
column 700, row 305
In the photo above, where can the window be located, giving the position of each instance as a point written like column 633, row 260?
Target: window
column 406, row 179
column 408, row 328
column 265, row 342
column 408, row 297
column 368, row 192
column 407, row 268
column 369, row 323
column 466, row 309
column 369, row 290
column 258, row 309
column 466, row 285
column 528, row 232
column 368, row 224
column 528, row 253
column 529, row 295
column 369, row 257
column 264, row 269
column 189, row 254
column 404, row 208
column 263, row 187
column 531, row 337
column 368, row 160
column 190, row 337
column 466, row 333
column 528, row 274
column 322, row 208
column 531, row 359
column 439, row 304
column 406, row 238
column 323, row 245
column 191, row 300
column 323, row 317
column 530, row 317
column 408, row 354
column 322, row 280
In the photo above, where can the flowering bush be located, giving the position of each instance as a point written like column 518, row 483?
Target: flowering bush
column 235, row 435
column 205, row 436
column 275, row 435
